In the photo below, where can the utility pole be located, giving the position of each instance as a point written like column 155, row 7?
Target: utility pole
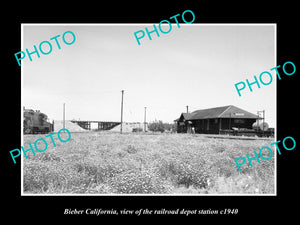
column 257, row 118
column 229, row 128
column 122, row 112
column 145, row 119
column 263, row 129
column 187, row 109
column 263, row 122
column 64, row 124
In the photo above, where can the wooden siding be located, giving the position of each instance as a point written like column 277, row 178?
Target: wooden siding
column 213, row 126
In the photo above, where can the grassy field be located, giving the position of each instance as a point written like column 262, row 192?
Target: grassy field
column 111, row 163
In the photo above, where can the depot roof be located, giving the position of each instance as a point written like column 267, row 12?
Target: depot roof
column 229, row 111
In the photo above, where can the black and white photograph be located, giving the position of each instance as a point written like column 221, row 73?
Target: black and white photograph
column 144, row 111
column 171, row 109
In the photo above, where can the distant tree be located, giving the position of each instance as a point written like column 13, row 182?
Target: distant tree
column 160, row 126
column 156, row 126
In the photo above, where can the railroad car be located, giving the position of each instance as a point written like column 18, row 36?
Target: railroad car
column 258, row 129
column 262, row 129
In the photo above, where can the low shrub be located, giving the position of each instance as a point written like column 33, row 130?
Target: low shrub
column 38, row 177
column 131, row 149
column 185, row 172
column 139, row 182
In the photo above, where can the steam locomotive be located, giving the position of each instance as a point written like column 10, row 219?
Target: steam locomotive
column 35, row 122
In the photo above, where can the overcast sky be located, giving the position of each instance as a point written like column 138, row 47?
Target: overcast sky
column 195, row 65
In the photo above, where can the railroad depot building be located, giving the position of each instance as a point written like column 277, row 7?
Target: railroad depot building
column 215, row 120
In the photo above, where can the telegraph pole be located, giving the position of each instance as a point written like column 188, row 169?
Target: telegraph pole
column 64, row 124
column 257, row 118
column 263, row 129
column 122, row 112
column 145, row 119
column 263, row 122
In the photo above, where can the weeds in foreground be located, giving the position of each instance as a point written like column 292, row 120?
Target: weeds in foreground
column 103, row 163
